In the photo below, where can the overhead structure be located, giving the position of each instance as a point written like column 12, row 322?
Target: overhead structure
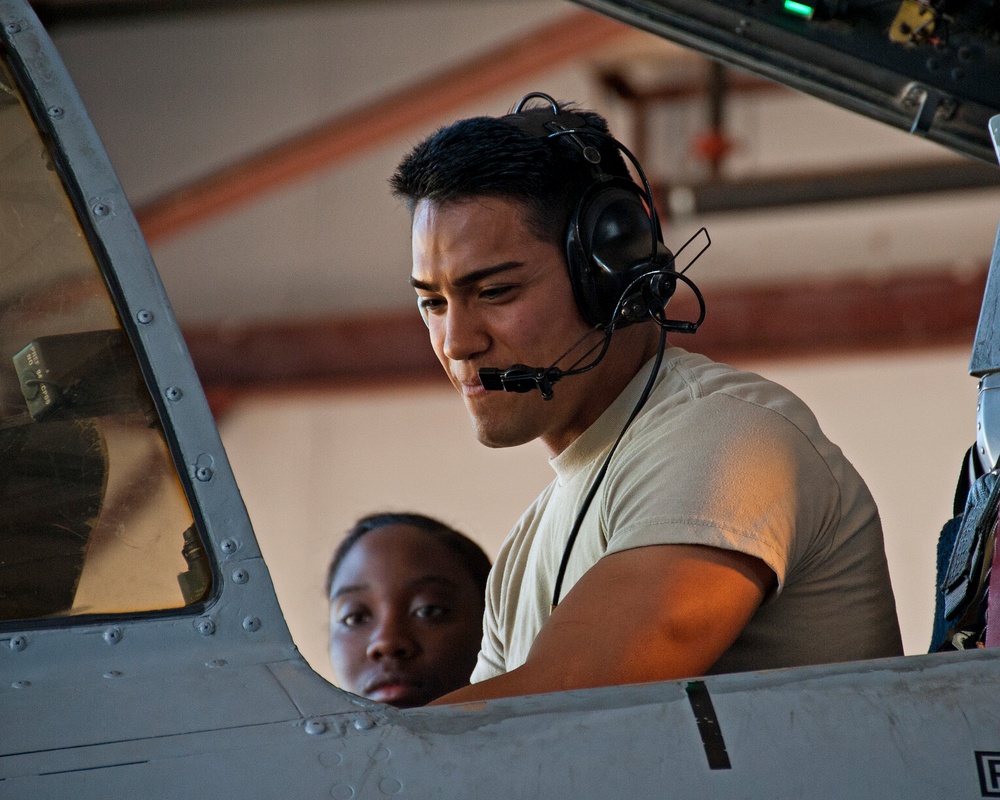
column 927, row 67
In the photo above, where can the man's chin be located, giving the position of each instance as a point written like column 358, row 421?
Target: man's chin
column 497, row 437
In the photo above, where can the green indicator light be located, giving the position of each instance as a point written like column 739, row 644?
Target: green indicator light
column 799, row 9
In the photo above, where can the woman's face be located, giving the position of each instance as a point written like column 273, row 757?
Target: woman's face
column 405, row 618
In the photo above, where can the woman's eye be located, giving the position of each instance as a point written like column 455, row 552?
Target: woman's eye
column 353, row 618
column 431, row 612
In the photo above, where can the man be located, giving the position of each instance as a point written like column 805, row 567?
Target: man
column 727, row 532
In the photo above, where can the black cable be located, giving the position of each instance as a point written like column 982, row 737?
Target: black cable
column 564, row 563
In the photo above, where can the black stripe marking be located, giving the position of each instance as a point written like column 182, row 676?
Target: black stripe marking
column 708, row 725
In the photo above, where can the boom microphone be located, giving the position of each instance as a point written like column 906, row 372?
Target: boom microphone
column 520, row 378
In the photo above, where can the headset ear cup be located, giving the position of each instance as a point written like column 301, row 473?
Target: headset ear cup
column 609, row 243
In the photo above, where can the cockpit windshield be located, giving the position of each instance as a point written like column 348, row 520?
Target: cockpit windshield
column 93, row 518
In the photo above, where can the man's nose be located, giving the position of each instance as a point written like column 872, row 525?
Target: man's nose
column 464, row 334
column 392, row 639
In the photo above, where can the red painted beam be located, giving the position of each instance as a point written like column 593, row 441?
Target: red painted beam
column 850, row 315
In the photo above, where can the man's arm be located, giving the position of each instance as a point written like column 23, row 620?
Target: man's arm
column 648, row 614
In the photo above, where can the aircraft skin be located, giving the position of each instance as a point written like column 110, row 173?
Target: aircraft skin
column 212, row 699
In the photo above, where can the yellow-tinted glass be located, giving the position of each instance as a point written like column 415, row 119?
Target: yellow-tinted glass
column 93, row 518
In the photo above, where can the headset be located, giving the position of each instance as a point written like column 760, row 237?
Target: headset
column 613, row 237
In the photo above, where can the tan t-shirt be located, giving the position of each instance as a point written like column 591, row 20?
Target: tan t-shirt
column 717, row 457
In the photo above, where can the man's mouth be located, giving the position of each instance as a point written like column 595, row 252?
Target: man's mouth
column 470, row 387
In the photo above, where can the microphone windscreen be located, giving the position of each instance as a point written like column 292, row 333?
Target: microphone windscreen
column 490, row 378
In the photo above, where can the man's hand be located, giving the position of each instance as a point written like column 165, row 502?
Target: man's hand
column 648, row 614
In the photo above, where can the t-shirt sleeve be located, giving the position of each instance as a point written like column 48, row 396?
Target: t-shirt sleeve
column 491, row 661
column 727, row 473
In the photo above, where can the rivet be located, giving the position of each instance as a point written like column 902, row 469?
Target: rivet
column 203, row 474
column 205, row 626
column 229, row 546
column 144, row 316
column 101, row 209
column 55, row 112
column 21, row 684
column 173, row 394
column 365, row 723
column 241, row 576
column 390, row 786
column 114, row 673
column 314, row 727
column 251, row 624
column 342, row 791
column 12, row 27
column 215, row 663
column 113, row 635
column 18, row 643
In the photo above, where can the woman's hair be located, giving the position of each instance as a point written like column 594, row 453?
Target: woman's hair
column 469, row 553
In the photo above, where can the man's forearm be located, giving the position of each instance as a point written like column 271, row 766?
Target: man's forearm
column 686, row 605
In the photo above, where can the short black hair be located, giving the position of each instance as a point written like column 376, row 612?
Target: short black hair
column 491, row 157
column 475, row 561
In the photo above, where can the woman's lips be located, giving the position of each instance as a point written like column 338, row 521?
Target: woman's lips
column 393, row 692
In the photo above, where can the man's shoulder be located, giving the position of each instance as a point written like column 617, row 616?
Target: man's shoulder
column 698, row 389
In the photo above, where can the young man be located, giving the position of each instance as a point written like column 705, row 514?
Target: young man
column 727, row 534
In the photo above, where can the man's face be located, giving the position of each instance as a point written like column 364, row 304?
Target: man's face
column 494, row 295
column 405, row 618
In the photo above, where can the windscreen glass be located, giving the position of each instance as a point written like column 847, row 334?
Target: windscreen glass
column 93, row 519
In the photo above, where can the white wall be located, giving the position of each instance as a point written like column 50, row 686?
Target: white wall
column 309, row 466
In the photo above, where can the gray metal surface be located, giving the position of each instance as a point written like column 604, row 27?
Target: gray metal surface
column 215, row 701
column 943, row 89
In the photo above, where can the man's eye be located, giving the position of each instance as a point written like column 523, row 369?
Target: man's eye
column 426, row 304
column 431, row 612
column 495, row 292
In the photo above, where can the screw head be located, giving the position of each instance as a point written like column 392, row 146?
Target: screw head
column 251, row 624
column 203, row 474
column 205, row 626
column 144, row 316
column 241, row 576
column 173, row 394
column 113, row 635
column 55, row 112
column 18, row 643
column 12, row 27
column 229, row 546
column 101, row 209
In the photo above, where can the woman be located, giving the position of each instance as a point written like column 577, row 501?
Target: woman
column 406, row 606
